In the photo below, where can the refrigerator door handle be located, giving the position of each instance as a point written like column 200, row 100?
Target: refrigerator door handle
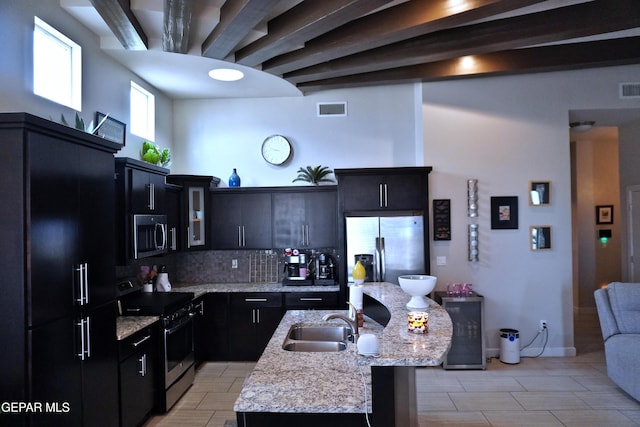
column 376, row 262
column 383, row 269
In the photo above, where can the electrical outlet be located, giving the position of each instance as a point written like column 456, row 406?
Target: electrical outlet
column 234, row 263
column 543, row 325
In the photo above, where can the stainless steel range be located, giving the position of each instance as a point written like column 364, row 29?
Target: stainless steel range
column 176, row 312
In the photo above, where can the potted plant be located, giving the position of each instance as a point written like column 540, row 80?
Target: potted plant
column 314, row 175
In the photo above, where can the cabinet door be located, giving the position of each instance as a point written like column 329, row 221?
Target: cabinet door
column 173, row 200
column 253, row 319
column 321, row 210
column 100, row 369
column 55, row 232
column 376, row 192
column 304, row 219
column 195, row 214
column 138, row 373
column 211, row 328
column 147, row 191
column 241, row 220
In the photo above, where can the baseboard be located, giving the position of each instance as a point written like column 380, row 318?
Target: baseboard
column 533, row 351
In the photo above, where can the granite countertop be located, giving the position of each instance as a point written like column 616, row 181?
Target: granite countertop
column 298, row 382
column 204, row 288
column 129, row 325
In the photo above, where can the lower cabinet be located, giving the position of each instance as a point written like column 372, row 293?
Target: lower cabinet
column 211, row 327
column 254, row 318
column 138, row 376
column 310, row 300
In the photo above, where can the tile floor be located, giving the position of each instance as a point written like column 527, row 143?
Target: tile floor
column 545, row 391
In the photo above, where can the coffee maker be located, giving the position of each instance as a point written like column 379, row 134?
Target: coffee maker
column 325, row 270
column 295, row 269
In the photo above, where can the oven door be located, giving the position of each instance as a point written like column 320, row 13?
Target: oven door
column 178, row 349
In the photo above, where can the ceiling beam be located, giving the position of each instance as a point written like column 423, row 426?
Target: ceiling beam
column 237, row 19
column 587, row 19
column 301, row 23
column 602, row 53
column 177, row 25
column 405, row 21
column 120, row 19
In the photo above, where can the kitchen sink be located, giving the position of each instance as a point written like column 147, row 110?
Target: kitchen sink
column 318, row 333
column 316, row 338
column 315, row 346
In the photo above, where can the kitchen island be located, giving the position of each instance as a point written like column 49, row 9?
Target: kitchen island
column 341, row 388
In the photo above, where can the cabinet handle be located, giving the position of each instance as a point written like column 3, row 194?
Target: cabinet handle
column 151, row 197
column 386, row 196
column 88, row 338
column 310, row 299
column 85, row 339
column 240, row 236
column 174, row 239
column 143, row 365
column 188, row 237
column 255, row 300
column 380, row 195
column 244, row 241
column 258, row 315
column 83, row 283
column 136, row 344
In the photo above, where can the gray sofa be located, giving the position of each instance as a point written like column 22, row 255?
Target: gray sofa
column 619, row 312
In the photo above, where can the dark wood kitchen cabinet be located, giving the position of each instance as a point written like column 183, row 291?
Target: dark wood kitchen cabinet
column 194, row 227
column 241, row 219
column 377, row 189
column 253, row 319
column 211, row 327
column 138, row 376
column 305, row 218
column 311, row 300
column 140, row 189
column 173, row 198
column 58, row 259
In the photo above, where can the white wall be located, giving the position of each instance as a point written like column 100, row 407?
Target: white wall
column 105, row 83
column 214, row 136
column 506, row 132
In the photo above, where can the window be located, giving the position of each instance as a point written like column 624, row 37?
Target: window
column 143, row 112
column 57, row 66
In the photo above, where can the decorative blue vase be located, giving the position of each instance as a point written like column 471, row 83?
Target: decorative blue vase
column 234, row 179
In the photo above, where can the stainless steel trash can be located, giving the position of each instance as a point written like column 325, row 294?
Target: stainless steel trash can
column 510, row 346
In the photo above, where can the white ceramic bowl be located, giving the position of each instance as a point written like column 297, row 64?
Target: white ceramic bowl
column 417, row 285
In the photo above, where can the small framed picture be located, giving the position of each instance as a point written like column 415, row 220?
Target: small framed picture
column 442, row 219
column 604, row 214
column 539, row 193
column 540, row 236
column 110, row 128
column 504, row 213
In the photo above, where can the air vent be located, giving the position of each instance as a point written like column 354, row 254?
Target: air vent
column 629, row 90
column 332, row 109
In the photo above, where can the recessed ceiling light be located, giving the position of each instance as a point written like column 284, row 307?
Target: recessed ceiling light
column 226, row 74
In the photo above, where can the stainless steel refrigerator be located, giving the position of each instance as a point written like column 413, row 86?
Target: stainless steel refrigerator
column 396, row 243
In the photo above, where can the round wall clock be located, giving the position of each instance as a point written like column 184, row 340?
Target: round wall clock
column 276, row 149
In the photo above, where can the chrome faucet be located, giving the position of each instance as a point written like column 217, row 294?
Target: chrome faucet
column 353, row 323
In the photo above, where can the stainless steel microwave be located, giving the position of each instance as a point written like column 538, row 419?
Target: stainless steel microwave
column 149, row 235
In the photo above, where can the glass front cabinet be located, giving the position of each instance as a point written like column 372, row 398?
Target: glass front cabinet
column 193, row 232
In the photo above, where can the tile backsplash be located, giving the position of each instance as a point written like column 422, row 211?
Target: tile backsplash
column 189, row 268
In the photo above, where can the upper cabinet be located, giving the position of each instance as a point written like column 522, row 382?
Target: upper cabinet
column 140, row 189
column 193, row 230
column 241, row 219
column 376, row 189
column 305, row 218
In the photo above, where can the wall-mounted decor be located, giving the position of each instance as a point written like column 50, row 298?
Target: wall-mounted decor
column 604, row 214
column 473, row 242
column 540, row 236
column 504, row 212
column 539, row 193
column 442, row 219
column 472, row 197
column 111, row 129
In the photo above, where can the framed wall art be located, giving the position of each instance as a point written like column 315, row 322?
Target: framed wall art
column 442, row 219
column 539, row 193
column 540, row 236
column 604, row 214
column 504, row 213
column 111, row 129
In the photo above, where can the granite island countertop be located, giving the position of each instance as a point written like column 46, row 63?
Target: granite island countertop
column 129, row 325
column 298, row 382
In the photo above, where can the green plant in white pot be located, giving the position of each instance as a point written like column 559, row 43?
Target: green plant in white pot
column 314, row 175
